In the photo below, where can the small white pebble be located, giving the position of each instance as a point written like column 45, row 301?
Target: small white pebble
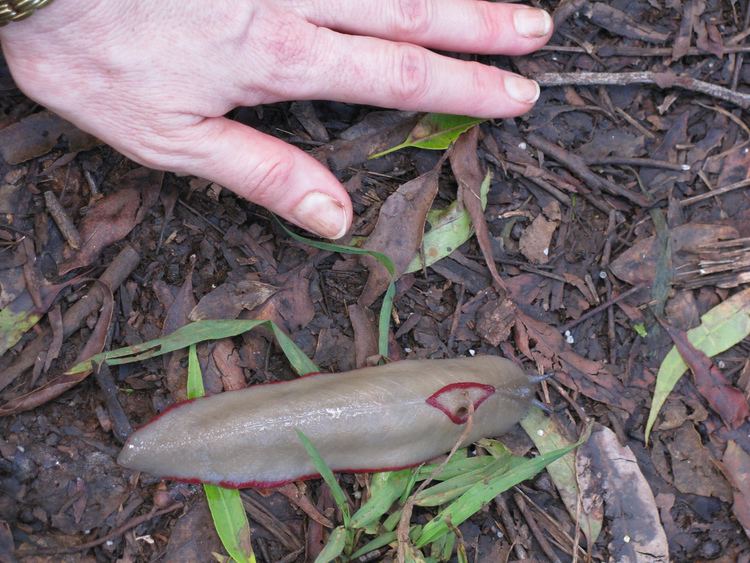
column 546, row 252
column 109, row 543
column 721, row 364
column 540, row 432
column 407, row 350
column 567, row 333
column 603, row 275
column 626, row 539
column 523, row 146
column 745, row 150
column 21, row 449
column 570, row 339
column 472, row 352
column 685, row 167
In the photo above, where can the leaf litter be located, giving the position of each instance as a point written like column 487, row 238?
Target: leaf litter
column 656, row 197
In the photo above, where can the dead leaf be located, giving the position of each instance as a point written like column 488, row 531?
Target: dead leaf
column 728, row 401
column 551, row 352
column 635, row 531
column 229, row 299
column 176, row 317
column 229, row 365
column 398, row 231
column 37, row 134
column 736, row 463
column 112, row 217
column 193, row 537
column 536, row 239
column 692, row 10
column 693, row 466
column 469, row 175
column 365, row 334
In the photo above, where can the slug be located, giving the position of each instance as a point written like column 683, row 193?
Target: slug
column 371, row 419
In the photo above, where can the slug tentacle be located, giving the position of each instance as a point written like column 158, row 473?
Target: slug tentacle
column 370, row 419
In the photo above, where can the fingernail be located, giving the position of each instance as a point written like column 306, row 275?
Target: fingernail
column 321, row 214
column 521, row 89
column 530, row 22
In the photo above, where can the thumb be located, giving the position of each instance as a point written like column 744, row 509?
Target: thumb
column 272, row 174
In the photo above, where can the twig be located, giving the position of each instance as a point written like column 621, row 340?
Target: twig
column 578, row 166
column 718, row 191
column 535, row 529
column 596, row 310
column 660, row 79
column 646, row 162
column 62, row 220
column 624, row 51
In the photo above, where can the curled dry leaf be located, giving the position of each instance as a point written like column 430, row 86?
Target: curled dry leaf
column 636, row 533
column 728, row 401
column 469, row 175
column 398, row 231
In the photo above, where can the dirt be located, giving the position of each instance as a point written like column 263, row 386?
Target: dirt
column 598, row 228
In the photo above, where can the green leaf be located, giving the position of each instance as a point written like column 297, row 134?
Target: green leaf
column 194, row 333
column 385, row 308
column 548, row 437
column 640, row 330
column 483, row 492
column 435, row 131
column 13, row 325
column 449, row 229
column 376, row 543
column 721, row 328
column 230, row 522
column 385, row 488
column 227, row 511
column 334, row 547
column 325, row 472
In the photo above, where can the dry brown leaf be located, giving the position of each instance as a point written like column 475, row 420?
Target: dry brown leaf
column 469, row 175
column 112, row 217
column 398, row 231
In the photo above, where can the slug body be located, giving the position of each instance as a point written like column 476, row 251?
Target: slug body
column 370, row 419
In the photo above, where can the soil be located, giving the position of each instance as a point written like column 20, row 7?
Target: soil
column 607, row 245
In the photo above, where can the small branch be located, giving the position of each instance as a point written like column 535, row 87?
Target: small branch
column 62, row 220
column 660, row 79
column 718, row 191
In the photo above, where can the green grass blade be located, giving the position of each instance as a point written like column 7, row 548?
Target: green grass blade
column 721, row 328
column 435, row 131
column 385, row 488
column 230, row 522
column 483, row 492
column 334, row 547
column 325, row 472
column 227, row 511
column 385, row 309
column 375, row 543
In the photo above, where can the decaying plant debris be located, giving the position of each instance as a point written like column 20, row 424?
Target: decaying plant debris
column 617, row 220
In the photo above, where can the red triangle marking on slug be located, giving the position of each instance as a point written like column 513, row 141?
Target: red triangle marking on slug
column 454, row 399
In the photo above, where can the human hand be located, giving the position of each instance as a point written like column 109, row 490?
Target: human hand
column 154, row 79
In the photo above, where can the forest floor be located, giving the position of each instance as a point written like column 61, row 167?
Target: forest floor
column 618, row 208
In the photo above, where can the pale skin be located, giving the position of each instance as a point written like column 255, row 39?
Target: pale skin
column 154, row 79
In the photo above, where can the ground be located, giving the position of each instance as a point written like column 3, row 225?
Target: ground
column 606, row 245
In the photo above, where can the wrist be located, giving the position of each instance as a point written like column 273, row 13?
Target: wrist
column 17, row 10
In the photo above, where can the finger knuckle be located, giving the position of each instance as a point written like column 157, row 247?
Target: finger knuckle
column 289, row 46
column 411, row 74
column 490, row 25
column 411, row 17
column 264, row 181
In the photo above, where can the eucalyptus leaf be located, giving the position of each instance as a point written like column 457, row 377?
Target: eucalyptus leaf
column 435, row 131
